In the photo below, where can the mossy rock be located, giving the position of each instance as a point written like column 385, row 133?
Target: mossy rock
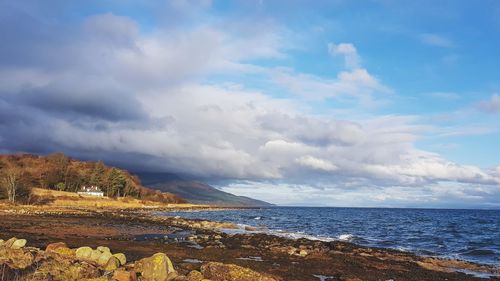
column 104, row 258
column 112, row 264
column 121, row 257
column 19, row 243
column 195, row 275
column 65, row 251
column 9, row 242
column 154, row 268
column 103, row 249
column 83, row 252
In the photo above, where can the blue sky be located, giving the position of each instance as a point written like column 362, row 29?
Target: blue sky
column 335, row 103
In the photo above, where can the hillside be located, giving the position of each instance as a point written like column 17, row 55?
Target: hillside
column 61, row 173
column 197, row 192
column 54, row 198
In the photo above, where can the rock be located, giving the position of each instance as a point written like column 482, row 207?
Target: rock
column 18, row 244
column 65, row 251
column 172, row 276
column 83, row 252
column 103, row 249
column 217, row 271
column 303, row 253
column 95, row 255
column 2, row 242
column 121, row 257
column 112, row 264
column 54, row 246
column 155, row 268
column 9, row 242
column 121, row 275
column 104, row 258
column 195, row 275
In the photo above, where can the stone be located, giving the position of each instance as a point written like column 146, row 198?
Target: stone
column 172, row 276
column 83, row 252
column 195, row 275
column 112, row 264
column 103, row 249
column 303, row 253
column 9, row 242
column 54, row 246
column 121, row 275
column 19, row 243
column 65, row 251
column 2, row 242
column 104, row 258
column 95, row 255
column 121, row 257
column 154, row 268
column 217, row 271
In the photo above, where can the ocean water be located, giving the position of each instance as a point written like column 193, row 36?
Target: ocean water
column 472, row 235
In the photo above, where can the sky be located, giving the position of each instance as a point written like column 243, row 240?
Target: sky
column 375, row 103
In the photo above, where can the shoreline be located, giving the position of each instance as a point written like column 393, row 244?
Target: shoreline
column 140, row 233
column 345, row 236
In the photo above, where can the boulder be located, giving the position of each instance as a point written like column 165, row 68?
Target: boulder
column 83, row 252
column 112, row 264
column 54, row 246
column 303, row 253
column 18, row 244
column 104, row 258
column 2, row 242
column 195, row 275
column 65, row 251
column 121, row 275
column 154, row 268
column 121, row 257
column 217, row 271
column 95, row 255
column 9, row 242
column 103, row 249
column 172, row 276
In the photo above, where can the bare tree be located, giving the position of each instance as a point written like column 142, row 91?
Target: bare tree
column 10, row 181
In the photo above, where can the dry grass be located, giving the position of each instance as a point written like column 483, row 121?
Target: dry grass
column 70, row 199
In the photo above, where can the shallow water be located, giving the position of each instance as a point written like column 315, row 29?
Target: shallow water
column 472, row 235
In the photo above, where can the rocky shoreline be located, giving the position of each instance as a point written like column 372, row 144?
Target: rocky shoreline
column 200, row 248
column 59, row 262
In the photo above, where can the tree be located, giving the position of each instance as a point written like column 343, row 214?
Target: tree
column 11, row 182
column 116, row 183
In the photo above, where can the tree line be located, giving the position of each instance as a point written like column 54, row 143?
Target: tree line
column 19, row 173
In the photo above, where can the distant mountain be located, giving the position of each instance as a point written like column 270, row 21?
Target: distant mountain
column 196, row 192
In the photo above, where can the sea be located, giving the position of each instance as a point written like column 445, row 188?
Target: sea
column 471, row 235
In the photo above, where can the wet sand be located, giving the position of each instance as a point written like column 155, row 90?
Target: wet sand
column 189, row 243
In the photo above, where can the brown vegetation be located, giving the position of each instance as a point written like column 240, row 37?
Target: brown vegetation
column 19, row 173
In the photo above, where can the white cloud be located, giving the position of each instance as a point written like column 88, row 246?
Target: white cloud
column 436, row 40
column 348, row 51
column 445, row 95
column 316, row 163
column 492, row 105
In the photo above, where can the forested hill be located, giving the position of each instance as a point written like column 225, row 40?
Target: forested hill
column 59, row 172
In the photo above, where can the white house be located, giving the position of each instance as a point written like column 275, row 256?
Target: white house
column 91, row 190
